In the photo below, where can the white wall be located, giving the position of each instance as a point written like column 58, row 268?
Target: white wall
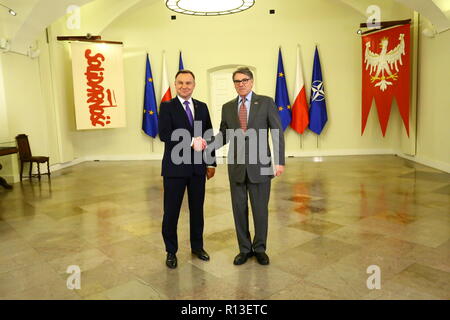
column 26, row 111
column 39, row 93
column 209, row 42
column 4, row 127
column 433, row 129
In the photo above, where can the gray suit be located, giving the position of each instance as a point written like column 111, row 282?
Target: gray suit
column 249, row 166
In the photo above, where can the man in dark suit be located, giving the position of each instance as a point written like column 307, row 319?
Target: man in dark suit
column 180, row 120
column 245, row 123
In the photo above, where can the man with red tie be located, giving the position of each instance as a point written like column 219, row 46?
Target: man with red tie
column 250, row 117
column 183, row 167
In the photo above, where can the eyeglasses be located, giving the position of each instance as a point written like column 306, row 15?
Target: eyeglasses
column 243, row 81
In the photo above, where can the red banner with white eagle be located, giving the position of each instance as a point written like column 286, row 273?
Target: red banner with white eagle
column 386, row 74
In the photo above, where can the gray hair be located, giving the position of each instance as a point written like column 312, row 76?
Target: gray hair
column 244, row 70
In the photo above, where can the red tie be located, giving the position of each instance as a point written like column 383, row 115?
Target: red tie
column 243, row 115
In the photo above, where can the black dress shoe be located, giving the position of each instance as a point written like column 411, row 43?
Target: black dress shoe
column 201, row 254
column 241, row 258
column 171, row 260
column 262, row 258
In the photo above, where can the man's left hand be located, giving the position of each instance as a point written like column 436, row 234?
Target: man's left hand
column 279, row 170
column 210, row 172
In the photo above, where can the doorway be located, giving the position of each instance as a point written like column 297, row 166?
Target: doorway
column 221, row 91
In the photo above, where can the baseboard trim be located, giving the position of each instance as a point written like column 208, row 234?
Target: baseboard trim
column 427, row 162
column 337, row 152
column 138, row 157
column 298, row 154
column 59, row 166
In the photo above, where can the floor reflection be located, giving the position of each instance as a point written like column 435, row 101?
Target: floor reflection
column 328, row 222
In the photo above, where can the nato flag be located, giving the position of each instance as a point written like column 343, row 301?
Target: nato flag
column 318, row 108
column 150, row 119
column 281, row 95
column 180, row 63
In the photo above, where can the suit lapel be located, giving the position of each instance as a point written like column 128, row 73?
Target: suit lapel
column 254, row 108
column 235, row 113
column 180, row 109
column 197, row 115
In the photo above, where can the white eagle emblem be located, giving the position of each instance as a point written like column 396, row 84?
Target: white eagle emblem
column 382, row 63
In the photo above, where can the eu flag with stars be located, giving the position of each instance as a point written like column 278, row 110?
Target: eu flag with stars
column 150, row 119
column 180, row 63
column 318, row 108
column 281, row 95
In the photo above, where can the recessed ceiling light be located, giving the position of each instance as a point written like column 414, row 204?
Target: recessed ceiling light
column 209, row 7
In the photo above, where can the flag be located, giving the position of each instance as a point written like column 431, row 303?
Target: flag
column 166, row 95
column 386, row 74
column 281, row 95
column 150, row 119
column 318, row 108
column 180, row 63
column 300, row 117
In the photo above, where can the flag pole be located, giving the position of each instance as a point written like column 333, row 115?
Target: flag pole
column 317, row 142
column 301, row 136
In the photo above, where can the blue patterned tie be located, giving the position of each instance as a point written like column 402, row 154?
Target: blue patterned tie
column 189, row 113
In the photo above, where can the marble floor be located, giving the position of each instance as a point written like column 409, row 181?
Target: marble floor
column 329, row 221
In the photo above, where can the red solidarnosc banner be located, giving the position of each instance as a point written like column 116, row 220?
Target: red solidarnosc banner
column 98, row 81
column 386, row 74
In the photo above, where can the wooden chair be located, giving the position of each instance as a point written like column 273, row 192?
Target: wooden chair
column 25, row 155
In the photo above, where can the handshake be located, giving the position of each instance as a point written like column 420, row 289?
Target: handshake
column 199, row 144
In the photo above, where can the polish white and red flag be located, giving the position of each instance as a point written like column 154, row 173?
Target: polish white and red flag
column 300, row 117
column 166, row 94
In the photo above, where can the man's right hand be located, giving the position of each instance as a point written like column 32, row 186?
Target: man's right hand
column 199, row 144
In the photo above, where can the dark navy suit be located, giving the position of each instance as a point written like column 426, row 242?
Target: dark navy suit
column 178, row 177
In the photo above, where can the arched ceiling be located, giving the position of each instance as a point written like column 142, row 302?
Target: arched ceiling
column 33, row 16
column 36, row 15
column 437, row 11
